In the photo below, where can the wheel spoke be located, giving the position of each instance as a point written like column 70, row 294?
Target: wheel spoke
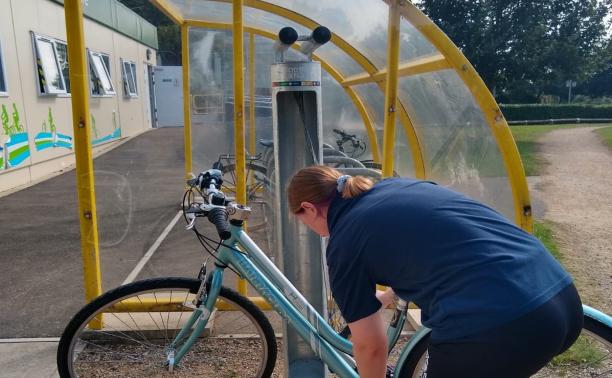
column 133, row 343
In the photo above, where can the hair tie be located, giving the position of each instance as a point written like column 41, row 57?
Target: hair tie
column 341, row 181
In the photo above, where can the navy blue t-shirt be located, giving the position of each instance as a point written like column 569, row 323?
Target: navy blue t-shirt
column 464, row 264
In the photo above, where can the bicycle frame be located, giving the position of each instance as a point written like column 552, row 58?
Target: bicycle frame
column 242, row 253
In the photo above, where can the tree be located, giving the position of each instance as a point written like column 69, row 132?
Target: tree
column 522, row 47
column 168, row 34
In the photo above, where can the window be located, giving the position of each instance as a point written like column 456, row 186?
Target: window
column 62, row 59
column 52, row 65
column 130, row 87
column 3, row 85
column 99, row 69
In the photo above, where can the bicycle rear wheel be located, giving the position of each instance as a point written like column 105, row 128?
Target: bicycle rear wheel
column 140, row 320
column 590, row 356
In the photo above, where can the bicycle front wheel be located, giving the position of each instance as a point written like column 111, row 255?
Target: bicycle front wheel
column 127, row 332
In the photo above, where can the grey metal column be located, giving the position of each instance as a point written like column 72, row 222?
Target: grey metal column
column 296, row 104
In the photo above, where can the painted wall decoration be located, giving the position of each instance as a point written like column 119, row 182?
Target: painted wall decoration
column 50, row 138
column 16, row 147
column 114, row 135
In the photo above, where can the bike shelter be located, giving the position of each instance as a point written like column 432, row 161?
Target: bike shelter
column 388, row 76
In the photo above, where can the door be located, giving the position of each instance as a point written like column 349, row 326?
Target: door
column 169, row 96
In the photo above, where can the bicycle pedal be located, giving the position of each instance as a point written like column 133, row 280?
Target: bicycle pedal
column 190, row 305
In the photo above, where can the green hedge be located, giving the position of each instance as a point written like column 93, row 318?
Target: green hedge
column 523, row 112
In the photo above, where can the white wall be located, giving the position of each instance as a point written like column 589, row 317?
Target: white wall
column 47, row 18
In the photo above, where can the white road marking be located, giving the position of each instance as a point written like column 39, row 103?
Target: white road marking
column 147, row 256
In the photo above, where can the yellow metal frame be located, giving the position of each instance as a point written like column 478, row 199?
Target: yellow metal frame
column 168, row 10
column 495, row 119
column 451, row 58
column 239, row 132
column 186, row 97
column 418, row 66
column 393, row 44
column 161, row 304
column 82, row 148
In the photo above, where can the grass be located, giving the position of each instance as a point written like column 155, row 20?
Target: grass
column 543, row 231
column 526, row 138
column 606, row 135
column 586, row 350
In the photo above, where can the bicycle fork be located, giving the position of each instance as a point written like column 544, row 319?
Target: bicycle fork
column 203, row 307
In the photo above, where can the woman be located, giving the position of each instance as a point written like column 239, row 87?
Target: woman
column 498, row 304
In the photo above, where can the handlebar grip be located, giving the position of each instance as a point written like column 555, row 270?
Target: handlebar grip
column 218, row 217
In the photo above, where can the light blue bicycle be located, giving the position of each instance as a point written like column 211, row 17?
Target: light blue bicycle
column 196, row 327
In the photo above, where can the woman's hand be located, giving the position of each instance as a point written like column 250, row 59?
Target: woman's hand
column 386, row 297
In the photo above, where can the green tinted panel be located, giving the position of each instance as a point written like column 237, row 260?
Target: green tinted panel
column 126, row 22
column 149, row 34
column 101, row 11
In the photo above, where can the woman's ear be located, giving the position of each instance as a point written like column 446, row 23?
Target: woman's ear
column 309, row 210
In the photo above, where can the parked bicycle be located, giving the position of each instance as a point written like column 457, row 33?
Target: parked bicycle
column 197, row 327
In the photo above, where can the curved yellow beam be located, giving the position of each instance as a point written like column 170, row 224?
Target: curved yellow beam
column 367, row 120
column 413, row 67
column 169, row 10
column 488, row 105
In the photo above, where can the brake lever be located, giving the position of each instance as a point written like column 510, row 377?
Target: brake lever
column 192, row 219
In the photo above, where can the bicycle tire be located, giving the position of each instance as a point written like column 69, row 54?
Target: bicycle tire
column 415, row 365
column 598, row 358
column 75, row 353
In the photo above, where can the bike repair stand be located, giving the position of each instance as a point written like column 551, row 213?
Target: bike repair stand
column 297, row 126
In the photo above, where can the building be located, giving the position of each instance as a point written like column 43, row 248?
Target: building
column 35, row 105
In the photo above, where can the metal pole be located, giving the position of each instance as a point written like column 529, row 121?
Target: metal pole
column 82, row 148
column 186, row 99
column 239, row 132
column 393, row 43
column 252, row 146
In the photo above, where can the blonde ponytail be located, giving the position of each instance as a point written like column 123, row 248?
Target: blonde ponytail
column 356, row 185
column 318, row 184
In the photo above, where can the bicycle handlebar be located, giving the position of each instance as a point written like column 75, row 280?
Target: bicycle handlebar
column 218, row 209
column 218, row 216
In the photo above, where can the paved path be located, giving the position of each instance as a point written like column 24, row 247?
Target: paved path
column 138, row 188
column 577, row 190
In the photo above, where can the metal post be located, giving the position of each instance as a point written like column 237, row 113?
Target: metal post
column 82, row 148
column 297, row 127
column 252, row 146
column 186, row 99
column 393, row 45
column 239, row 134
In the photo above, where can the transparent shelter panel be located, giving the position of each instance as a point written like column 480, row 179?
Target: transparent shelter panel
column 138, row 187
column 363, row 24
column 341, row 116
column 459, row 148
column 212, row 102
column 329, row 52
column 203, row 10
column 403, row 163
column 374, row 101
